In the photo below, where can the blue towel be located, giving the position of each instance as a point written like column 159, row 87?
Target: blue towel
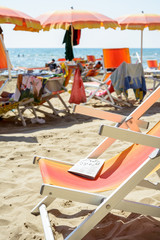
column 128, row 76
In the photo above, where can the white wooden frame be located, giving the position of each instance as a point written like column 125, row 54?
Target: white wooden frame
column 116, row 200
column 131, row 121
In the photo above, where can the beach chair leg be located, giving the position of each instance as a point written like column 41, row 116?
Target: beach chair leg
column 60, row 98
column 47, row 200
column 21, row 117
column 46, row 223
column 51, row 106
column 34, row 112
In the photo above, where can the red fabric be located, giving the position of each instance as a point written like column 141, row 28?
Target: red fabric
column 76, row 36
column 78, row 92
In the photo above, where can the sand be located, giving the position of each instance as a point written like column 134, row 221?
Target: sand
column 69, row 137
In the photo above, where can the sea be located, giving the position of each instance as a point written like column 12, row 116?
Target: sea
column 37, row 57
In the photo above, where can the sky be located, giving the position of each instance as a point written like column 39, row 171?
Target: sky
column 90, row 38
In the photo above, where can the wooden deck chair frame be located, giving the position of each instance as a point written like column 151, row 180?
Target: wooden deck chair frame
column 34, row 107
column 45, row 102
column 132, row 121
column 116, row 199
column 48, row 104
column 104, row 203
column 153, row 75
column 112, row 58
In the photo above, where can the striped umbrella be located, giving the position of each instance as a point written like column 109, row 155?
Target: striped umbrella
column 21, row 20
column 140, row 22
column 77, row 18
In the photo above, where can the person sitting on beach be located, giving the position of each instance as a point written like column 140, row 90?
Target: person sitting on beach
column 5, row 96
column 98, row 65
column 52, row 65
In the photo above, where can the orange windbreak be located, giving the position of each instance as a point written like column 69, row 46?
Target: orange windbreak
column 152, row 63
column 114, row 57
column 3, row 59
column 113, row 173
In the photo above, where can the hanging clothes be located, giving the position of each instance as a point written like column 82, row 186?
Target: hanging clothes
column 68, row 45
column 76, row 36
column 68, row 41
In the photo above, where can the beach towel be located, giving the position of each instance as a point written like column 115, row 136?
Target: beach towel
column 128, row 76
column 29, row 87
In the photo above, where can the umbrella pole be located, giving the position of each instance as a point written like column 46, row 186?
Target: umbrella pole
column 72, row 36
column 141, row 46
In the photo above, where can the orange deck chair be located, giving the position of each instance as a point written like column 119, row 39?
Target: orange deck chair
column 117, row 178
column 92, row 58
column 153, row 64
column 112, row 58
column 153, row 72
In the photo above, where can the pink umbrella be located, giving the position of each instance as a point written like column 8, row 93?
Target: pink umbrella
column 140, row 22
column 78, row 19
column 21, row 20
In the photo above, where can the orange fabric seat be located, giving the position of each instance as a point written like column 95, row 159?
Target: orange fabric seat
column 113, row 57
column 3, row 58
column 152, row 63
column 113, row 173
column 91, row 58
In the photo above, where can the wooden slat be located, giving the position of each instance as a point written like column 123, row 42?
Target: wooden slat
column 130, row 136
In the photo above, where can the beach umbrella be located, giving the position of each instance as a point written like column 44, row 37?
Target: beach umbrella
column 140, row 22
column 76, row 19
column 21, row 20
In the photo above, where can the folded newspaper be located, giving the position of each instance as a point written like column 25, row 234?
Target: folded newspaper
column 88, row 167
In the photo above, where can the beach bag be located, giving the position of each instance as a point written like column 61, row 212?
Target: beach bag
column 78, row 92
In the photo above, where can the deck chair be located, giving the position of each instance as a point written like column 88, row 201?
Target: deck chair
column 152, row 64
column 102, row 89
column 52, row 88
column 92, row 58
column 153, row 73
column 87, row 74
column 118, row 177
column 132, row 121
column 26, row 95
column 35, row 94
column 137, row 162
column 5, row 63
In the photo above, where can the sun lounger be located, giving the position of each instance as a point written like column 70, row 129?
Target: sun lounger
column 103, row 89
column 117, row 178
column 32, row 93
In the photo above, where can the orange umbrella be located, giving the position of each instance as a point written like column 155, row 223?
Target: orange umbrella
column 140, row 22
column 21, row 20
column 78, row 19
column 71, row 20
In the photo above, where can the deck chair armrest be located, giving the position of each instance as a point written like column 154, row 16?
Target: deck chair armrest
column 118, row 118
column 37, row 158
column 130, row 136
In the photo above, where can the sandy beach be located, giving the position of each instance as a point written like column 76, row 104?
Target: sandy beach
column 69, row 137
